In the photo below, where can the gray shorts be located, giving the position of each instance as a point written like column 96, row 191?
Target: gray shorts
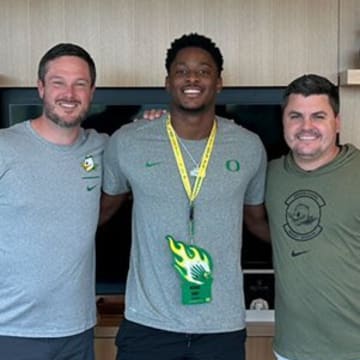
column 75, row 347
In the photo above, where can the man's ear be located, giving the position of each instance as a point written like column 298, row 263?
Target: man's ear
column 92, row 92
column 338, row 123
column 40, row 88
column 167, row 83
column 219, row 84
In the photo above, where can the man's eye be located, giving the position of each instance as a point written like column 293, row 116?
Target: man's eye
column 204, row 72
column 81, row 84
column 57, row 83
column 181, row 72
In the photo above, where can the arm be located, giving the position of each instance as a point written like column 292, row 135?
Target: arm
column 152, row 114
column 110, row 204
column 255, row 219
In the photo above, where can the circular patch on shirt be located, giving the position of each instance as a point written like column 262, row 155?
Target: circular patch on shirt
column 303, row 215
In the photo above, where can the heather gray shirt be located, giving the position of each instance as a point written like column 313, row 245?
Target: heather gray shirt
column 49, row 207
column 139, row 157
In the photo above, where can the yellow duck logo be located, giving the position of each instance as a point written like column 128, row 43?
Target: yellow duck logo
column 88, row 164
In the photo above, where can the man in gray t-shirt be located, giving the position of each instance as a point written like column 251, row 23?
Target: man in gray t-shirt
column 50, row 181
column 191, row 174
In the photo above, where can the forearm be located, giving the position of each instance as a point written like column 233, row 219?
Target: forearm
column 110, row 204
column 255, row 219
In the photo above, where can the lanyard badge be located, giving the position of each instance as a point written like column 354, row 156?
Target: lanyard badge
column 195, row 268
column 193, row 263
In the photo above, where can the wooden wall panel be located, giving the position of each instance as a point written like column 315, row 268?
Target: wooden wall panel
column 349, row 58
column 264, row 42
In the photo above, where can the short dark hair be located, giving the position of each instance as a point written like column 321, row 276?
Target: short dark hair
column 66, row 49
column 312, row 84
column 194, row 40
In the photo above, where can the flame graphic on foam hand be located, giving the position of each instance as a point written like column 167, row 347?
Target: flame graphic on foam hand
column 193, row 263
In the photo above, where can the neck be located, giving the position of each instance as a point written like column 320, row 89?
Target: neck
column 54, row 133
column 314, row 164
column 192, row 126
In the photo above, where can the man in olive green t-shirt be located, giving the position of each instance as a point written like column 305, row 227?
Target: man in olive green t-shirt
column 313, row 205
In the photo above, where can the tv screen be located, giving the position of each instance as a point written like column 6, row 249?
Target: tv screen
column 257, row 109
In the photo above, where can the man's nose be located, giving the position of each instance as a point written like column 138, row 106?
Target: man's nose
column 307, row 123
column 69, row 90
column 192, row 75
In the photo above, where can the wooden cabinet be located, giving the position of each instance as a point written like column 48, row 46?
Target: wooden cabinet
column 350, row 77
column 259, row 341
column 349, row 70
column 258, row 345
column 105, row 348
column 110, row 311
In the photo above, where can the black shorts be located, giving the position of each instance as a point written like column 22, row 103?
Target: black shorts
column 138, row 342
column 75, row 347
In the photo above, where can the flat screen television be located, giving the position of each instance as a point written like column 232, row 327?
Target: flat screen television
column 257, row 109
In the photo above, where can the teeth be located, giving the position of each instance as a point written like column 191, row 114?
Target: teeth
column 192, row 91
column 67, row 105
column 307, row 136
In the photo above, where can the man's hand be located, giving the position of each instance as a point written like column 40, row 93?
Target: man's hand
column 152, row 114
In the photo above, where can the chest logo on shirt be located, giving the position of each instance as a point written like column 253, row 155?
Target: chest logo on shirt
column 91, row 171
column 88, row 164
column 232, row 165
column 303, row 215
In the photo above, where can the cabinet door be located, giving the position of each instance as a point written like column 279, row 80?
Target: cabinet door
column 105, row 349
column 259, row 348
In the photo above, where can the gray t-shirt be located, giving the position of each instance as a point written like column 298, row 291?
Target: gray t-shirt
column 139, row 158
column 49, row 208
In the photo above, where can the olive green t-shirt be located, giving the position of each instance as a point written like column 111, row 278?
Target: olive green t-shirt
column 315, row 228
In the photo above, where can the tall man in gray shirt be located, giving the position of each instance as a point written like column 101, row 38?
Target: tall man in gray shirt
column 192, row 175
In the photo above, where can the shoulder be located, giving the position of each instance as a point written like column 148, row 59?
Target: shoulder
column 275, row 165
column 135, row 137
column 233, row 131
column 13, row 143
column 94, row 136
column 12, row 133
column 349, row 157
column 140, row 129
column 352, row 149
column 276, row 162
column 229, row 126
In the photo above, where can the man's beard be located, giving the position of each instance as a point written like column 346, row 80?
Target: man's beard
column 61, row 122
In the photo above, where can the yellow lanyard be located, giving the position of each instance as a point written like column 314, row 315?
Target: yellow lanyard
column 192, row 193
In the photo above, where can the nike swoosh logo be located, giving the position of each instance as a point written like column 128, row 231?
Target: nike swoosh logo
column 151, row 164
column 91, row 187
column 298, row 253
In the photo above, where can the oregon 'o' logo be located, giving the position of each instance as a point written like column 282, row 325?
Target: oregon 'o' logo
column 303, row 215
column 232, row 165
